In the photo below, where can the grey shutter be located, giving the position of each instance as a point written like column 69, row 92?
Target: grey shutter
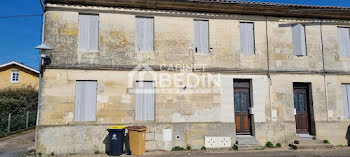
column 145, row 103
column 247, row 38
column 298, row 36
column 201, row 36
column 93, row 36
column 344, row 41
column 85, row 103
column 144, row 39
column 88, row 32
column 346, row 99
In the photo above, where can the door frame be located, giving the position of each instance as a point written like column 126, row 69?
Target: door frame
column 309, row 105
column 250, row 92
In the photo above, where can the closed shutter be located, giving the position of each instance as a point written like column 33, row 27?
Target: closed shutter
column 344, row 41
column 145, row 101
column 201, row 36
column 298, row 35
column 247, row 38
column 88, row 32
column 85, row 103
column 346, row 99
column 144, row 40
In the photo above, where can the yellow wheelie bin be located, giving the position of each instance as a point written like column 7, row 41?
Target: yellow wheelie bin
column 137, row 138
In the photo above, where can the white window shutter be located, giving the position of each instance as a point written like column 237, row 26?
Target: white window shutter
column 298, row 36
column 88, row 32
column 247, row 38
column 201, row 36
column 196, row 41
column 85, row 101
column 344, row 41
column 144, row 39
column 145, row 101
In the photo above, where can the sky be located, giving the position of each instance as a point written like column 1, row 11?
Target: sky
column 19, row 36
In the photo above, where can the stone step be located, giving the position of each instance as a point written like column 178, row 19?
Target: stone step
column 304, row 143
column 307, row 141
column 246, row 140
column 248, row 147
column 310, row 146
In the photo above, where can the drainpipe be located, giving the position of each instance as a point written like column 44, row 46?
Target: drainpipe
column 324, row 69
column 268, row 66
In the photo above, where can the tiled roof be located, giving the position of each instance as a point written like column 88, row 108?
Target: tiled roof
column 223, row 6
column 270, row 4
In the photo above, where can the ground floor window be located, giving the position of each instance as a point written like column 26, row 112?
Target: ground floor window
column 85, row 101
column 346, row 100
column 145, row 100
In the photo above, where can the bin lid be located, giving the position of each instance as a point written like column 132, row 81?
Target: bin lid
column 117, row 127
column 137, row 128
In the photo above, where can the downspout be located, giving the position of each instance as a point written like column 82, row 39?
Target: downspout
column 40, row 77
column 324, row 70
column 268, row 66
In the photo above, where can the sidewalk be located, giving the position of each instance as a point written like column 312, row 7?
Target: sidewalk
column 17, row 144
column 280, row 152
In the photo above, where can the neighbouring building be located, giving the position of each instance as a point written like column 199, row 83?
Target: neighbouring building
column 14, row 75
column 195, row 72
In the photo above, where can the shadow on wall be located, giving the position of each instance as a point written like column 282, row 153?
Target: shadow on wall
column 347, row 136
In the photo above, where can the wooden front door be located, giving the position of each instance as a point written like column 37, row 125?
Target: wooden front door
column 242, row 104
column 301, row 104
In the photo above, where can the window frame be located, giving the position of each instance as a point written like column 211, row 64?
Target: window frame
column 304, row 27
column 194, row 37
column 11, row 77
column 240, row 48
column 348, row 54
column 153, row 32
column 98, row 32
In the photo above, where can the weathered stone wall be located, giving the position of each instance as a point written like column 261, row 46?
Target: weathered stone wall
column 191, row 116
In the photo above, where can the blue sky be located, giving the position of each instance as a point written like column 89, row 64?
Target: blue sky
column 19, row 36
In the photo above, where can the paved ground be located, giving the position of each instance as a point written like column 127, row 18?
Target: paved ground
column 283, row 152
column 16, row 145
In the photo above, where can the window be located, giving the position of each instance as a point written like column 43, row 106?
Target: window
column 344, row 41
column 247, row 37
column 299, row 45
column 346, row 100
column 201, row 36
column 85, row 101
column 145, row 101
column 144, row 34
column 88, row 32
column 14, row 76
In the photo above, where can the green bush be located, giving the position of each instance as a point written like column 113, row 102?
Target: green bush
column 18, row 101
column 52, row 154
column 203, row 148
column 278, row 145
column 269, row 144
column 234, row 147
column 39, row 154
column 326, row 141
column 188, row 147
column 177, row 148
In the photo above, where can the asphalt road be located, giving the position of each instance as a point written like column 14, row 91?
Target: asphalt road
column 18, row 144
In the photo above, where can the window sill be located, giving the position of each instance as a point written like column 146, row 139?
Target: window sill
column 203, row 54
column 89, row 51
column 137, row 51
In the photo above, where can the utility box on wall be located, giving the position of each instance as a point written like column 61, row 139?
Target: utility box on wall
column 217, row 142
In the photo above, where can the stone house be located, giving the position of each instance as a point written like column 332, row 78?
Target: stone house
column 276, row 71
column 14, row 74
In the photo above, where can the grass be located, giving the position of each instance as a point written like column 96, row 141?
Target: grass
column 269, row 144
column 203, row 148
column 326, row 141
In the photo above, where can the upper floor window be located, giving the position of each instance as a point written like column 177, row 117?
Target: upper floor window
column 201, row 36
column 144, row 39
column 299, row 44
column 88, row 32
column 344, row 41
column 14, row 76
column 247, row 37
